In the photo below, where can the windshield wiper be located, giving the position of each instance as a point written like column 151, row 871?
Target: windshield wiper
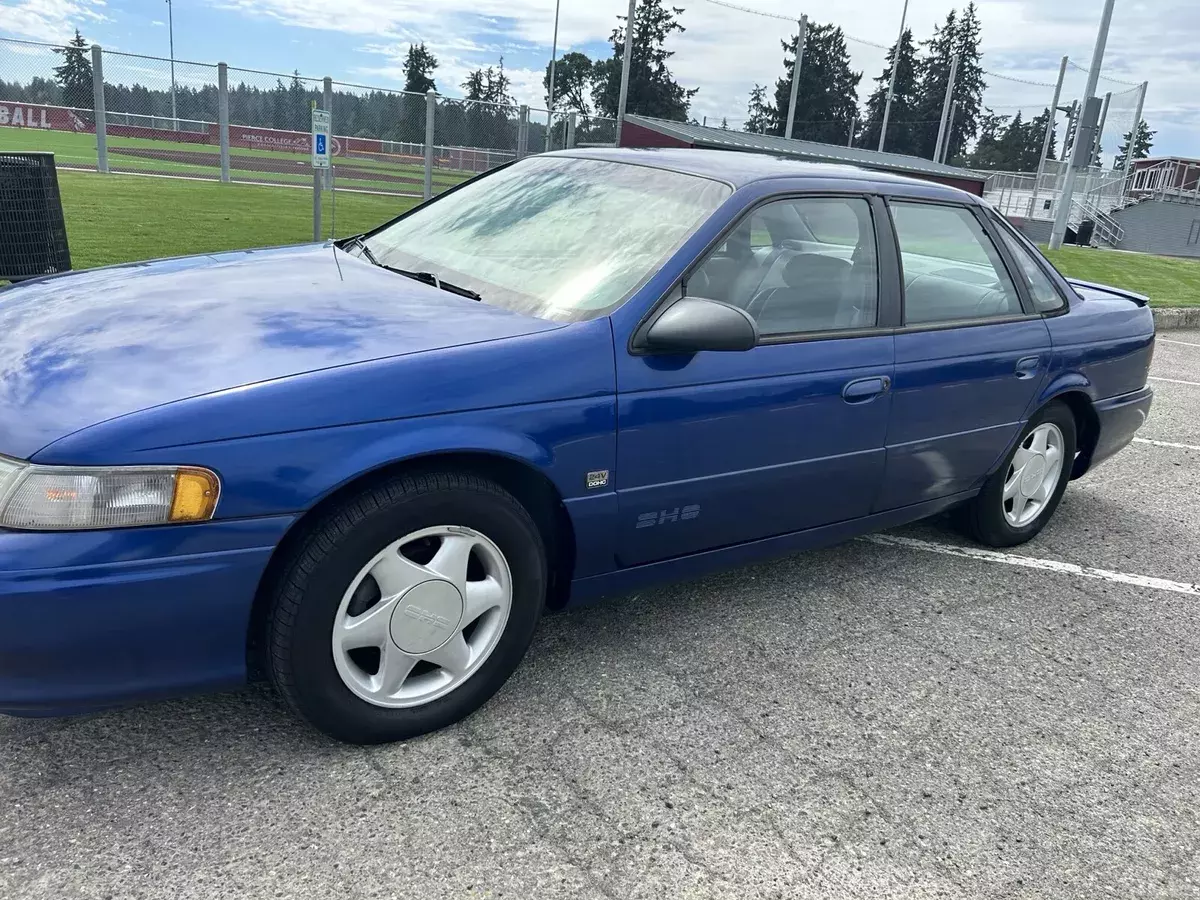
column 427, row 277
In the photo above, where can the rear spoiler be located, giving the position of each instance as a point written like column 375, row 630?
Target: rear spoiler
column 1091, row 290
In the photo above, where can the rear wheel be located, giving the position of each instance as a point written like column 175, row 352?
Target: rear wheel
column 1020, row 497
column 407, row 607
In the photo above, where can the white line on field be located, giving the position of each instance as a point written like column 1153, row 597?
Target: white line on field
column 1184, row 343
column 1166, row 444
column 1174, row 380
column 1029, row 562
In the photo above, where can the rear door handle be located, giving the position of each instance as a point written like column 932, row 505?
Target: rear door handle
column 865, row 389
column 1027, row 367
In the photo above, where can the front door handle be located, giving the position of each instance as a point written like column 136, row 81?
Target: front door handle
column 1027, row 367
column 865, row 389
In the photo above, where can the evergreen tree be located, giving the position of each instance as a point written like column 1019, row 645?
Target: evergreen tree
column 724, row 124
column 759, row 112
column 1141, row 145
column 489, row 85
column 299, row 107
column 419, row 64
column 74, row 76
column 827, row 95
column 1037, row 126
column 653, row 90
column 956, row 35
column 903, row 130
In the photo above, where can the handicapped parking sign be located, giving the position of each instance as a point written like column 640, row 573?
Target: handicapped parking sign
column 320, row 138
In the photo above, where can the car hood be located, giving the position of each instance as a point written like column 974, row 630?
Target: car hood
column 85, row 347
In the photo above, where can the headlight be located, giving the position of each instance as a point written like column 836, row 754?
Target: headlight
column 57, row 498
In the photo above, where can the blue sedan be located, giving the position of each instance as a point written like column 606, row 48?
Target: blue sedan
column 364, row 469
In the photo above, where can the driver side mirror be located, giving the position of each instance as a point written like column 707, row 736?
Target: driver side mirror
column 691, row 324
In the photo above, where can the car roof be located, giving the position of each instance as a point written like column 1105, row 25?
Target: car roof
column 740, row 168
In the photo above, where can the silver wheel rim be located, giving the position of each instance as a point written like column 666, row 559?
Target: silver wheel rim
column 1033, row 475
column 422, row 616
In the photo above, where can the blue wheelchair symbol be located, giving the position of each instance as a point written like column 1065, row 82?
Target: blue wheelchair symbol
column 321, row 145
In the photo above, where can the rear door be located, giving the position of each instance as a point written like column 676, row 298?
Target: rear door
column 970, row 357
column 715, row 449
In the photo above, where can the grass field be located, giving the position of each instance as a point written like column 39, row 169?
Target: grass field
column 202, row 160
column 1166, row 280
column 119, row 218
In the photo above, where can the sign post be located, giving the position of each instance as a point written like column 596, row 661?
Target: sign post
column 321, row 151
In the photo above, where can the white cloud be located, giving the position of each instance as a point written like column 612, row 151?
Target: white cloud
column 49, row 20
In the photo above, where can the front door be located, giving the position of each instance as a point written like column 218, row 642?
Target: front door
column 715, row 449
column 969, row 359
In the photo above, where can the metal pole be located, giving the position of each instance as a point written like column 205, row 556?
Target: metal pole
column 223, row 116
column 1041, row 169
column 943, row 137
column 171, row 38
column 625, row 63
column 800, row 39
column 949, row 130
column 553, row 57
column 571, row 123
column 98, row 108
column 1064, row 207
column 430, row 107
column 853, row 123
column 318, row 181
column 327, row 91
column 523, row 132
column 887, row 107
column 1097, row 146
column 1133, row 134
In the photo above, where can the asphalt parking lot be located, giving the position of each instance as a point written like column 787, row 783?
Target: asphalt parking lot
column 895, row 719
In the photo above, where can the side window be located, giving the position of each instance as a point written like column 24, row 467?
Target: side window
column 1046, row 297
column 798, row 266
column 952, row 270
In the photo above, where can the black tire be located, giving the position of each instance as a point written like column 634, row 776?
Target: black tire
column 317, row 572
column 983, row 517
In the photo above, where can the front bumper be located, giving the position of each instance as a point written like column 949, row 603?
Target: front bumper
column 1119, row 419
column 93, row 619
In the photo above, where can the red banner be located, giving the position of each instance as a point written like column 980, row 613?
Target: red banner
column 31, row 115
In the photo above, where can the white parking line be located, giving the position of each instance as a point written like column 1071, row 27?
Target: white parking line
column 1029, row 562
column 1166, row 444
column 1162, row 340
column 1174, row 380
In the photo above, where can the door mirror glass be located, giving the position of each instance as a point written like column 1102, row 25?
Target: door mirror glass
column 694, row 323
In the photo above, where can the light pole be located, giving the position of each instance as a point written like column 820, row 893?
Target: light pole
column 887, row 107
column 1064, row 202
column 171, row 38
column 628, row 59
column 553, row 57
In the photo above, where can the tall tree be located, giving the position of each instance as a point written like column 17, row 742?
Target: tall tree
column 759, row 113
column 827, row 95
column 491, row 85
column 1141, row 144
column 1037, row 126
column 573, row 76
column 653, row 90
column 958, row 34
column 299, row 107
column 903, row 130
column 419, row 64
column 74, row 76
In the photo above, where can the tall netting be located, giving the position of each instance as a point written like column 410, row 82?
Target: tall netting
column 470, row 137
column 161, row 116
column 44, row 110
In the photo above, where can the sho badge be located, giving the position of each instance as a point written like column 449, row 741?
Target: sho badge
column 668, row 516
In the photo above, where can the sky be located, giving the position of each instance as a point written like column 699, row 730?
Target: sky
column 723, row 52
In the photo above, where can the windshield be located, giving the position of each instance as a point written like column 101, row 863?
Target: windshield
column 561, row 238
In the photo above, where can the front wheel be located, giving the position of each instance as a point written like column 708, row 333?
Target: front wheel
column 407, row 607
column 1020, row 497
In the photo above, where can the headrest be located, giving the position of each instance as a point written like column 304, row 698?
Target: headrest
column 810, row 267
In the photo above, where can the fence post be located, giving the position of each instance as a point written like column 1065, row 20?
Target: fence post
column 1048, row 136
column 522, row 131
column 328, row 92
column 571, row 120
column 98, row 108
column 430, row 110
column 223, row 116
column 853, row 123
